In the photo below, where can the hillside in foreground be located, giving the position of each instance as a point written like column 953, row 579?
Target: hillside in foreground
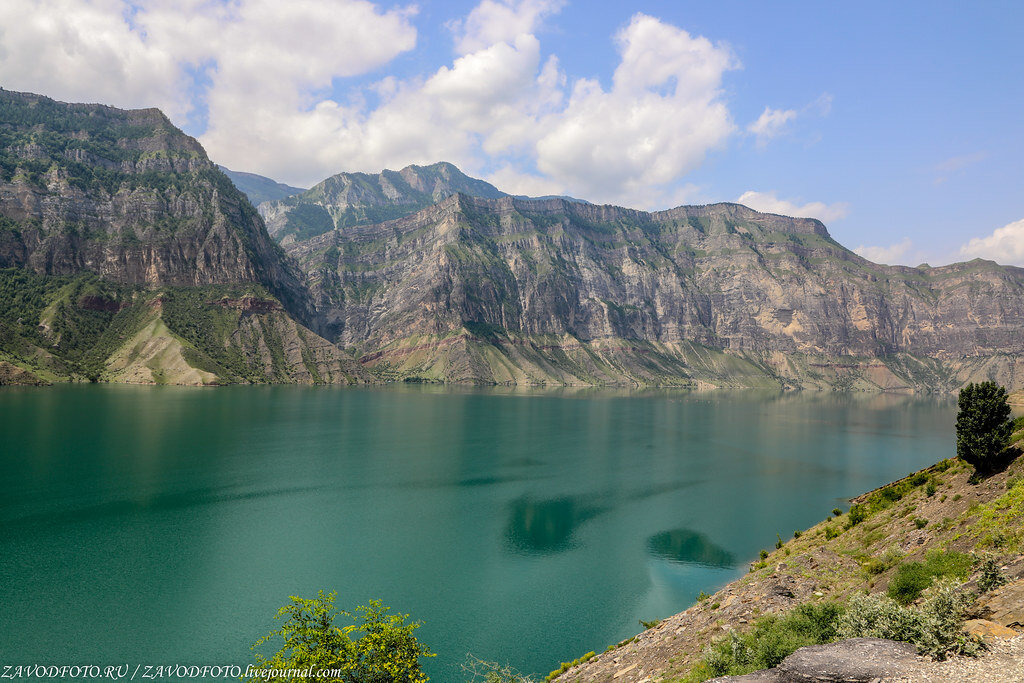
column 937, row 517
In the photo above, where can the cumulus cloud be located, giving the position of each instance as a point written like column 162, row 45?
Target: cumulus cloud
column 770, row 124
column 892, row 254
column 264, row 81
column 1005, row 245
column 768, row 202
column 87, row 51
column 501, row 21
column 149, row 53
column 660, row 118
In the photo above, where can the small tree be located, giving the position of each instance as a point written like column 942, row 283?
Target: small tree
column 386, row 652
column 983, row 425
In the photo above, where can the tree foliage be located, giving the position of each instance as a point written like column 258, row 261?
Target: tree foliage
column 983, row 425
column 384, row 649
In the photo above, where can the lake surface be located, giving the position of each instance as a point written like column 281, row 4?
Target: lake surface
column 148, row 525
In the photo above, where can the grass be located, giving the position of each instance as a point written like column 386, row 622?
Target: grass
column 913, row 578
column 771, row 640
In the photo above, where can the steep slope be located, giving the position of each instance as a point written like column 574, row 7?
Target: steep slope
column 348, row 199
column 80, row 327
column 105, row 216
column 259, row 188
column 550, row 291
column 126, row 195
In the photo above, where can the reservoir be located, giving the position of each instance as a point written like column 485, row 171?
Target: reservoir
column 166, row 525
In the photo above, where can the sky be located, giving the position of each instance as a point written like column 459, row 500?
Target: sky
column 898, row 124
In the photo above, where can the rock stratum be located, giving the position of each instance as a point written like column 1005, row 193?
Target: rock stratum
column 512, row 290
column 107, row 213
column 426, row 274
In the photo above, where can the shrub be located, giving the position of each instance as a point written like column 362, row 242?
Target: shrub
column 831, row 532
column 568, row 665
column 764, row 555
column 702, row 596
column 797, row 533
column 778, row 541
column 991, row 575
column 918, row 479
column 857, row 515
column 913, row 578
column 836, row 511
column 930, row 489
column 920, row 523
column 770, row 640
column 887, row 560
column 983, row 425
column 936, row 628
column 386, row 652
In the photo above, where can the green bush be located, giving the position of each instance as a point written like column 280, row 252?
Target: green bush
column 913, row 578
column 568, row 665
column 991, row 575
column 918, row 479
column 857, row 515
column 385, row 652
column 832, row 532
column 936, row 628
column 920, row 523
column 836, row 511
column 769, row 641
column 930, row 489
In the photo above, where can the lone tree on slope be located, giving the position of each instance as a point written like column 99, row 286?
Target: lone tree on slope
column 983, row 425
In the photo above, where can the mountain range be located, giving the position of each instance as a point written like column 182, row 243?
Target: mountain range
column 127, row 255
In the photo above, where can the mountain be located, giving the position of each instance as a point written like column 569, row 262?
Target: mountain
column 128, row 200
column 550, row 291
column 350, row 199
column 259, row 188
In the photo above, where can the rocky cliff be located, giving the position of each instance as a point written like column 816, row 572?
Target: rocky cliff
column 126, row 195
column 542, row 291
column 348, row 199
column 105, row 216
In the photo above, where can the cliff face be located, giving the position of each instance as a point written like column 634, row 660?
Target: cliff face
column 128, row 196
column 348, row 199
column 105, row 216
column 694, row 293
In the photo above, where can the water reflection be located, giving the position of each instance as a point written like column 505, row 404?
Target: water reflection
column 546, row 526
column 689, row 547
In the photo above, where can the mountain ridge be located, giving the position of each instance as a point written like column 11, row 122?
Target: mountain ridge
column 547, row 274
column 457, row 287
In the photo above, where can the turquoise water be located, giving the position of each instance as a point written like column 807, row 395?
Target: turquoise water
column 166, row 525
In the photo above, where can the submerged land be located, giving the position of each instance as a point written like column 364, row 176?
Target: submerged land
column 127, row 255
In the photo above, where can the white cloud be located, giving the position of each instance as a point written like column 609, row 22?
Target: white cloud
column 143, row 54
column 1005, row 245
column 892, row 254
column 259, row 76
column 768, row 202
column 501, row 21
column 770, row 124
column 86, row 51
column 663, row 114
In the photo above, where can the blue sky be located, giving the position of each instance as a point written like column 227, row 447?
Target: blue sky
column 898, row 124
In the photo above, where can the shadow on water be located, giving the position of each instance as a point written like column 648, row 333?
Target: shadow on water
column 685, row 546
column 546, row 526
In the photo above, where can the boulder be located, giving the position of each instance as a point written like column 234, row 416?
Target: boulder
column 847, row 661
column 1004, row 605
